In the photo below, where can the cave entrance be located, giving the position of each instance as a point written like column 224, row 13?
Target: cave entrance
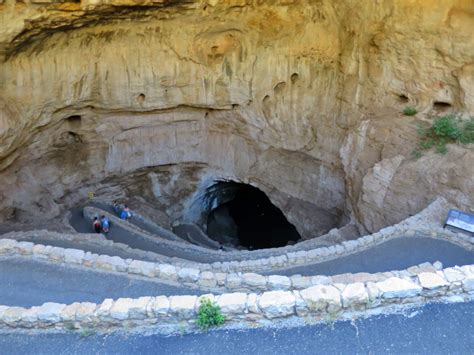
column 243, row 216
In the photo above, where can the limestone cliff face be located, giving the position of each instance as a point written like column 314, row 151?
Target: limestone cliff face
column 299, row 98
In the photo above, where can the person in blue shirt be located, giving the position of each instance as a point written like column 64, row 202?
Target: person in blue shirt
column 105, row 224
column 126, row 214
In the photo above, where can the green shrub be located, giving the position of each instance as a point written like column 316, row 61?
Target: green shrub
column 410, row 111
column 446, row 127
column 209, row 315
column 444, row 130
column 467, row 132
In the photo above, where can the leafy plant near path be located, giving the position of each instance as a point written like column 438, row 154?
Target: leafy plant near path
column 209, row 315
column 444, row 130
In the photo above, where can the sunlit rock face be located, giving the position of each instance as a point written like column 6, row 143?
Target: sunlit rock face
column 301, row 99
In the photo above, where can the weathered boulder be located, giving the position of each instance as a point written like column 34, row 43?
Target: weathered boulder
column 395, row 287
column 322, row 298
column 275, row 304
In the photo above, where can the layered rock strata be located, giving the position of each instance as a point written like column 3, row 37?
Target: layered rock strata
column 301, row 99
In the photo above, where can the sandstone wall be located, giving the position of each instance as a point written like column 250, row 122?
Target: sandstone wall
column 299, row 98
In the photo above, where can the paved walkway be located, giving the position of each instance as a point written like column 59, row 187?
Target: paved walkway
column 432, row 329
column 395, row 254
column 29, row 283
column 136, row 240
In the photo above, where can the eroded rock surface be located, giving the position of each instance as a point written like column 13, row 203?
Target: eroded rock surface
column 299, row 98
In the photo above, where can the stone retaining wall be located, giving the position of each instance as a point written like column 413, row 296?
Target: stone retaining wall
column 192, row 277
column 427, row 223
column 316, row 302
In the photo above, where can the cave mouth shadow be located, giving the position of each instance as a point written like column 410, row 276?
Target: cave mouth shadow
column 243, row 216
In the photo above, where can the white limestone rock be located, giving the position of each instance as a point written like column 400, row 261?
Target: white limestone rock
column 431, row 281
column 7, row 246
column 138, row 308
column 103, row 310
column 86, row 312
column 168, row 272
column 68, row 314
column 12, row 315
column 182, row 307
column 301, row 282
column 24, row 248
column 142, row 268
column 159, row 306
column 253, row 280
column 56, row 254
column 207, row 279
column 275, row 304
column 188, row 275
column 395, row 287
column 276, row 282
column 233, row 281
column 74, row 256
column 468, row 283
column 301, row 307
column 453, row 274
column 232, row 303
column 322, row 298
column 121, row 308
column 252, row 305
column 50, row 312
column 112, row 263
column 30, row 316
column 320, row 280
column 355, row 295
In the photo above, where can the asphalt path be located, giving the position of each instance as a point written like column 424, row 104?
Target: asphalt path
column 431, row 329
column 136, row 240
column 27, row 283
column 395, row 254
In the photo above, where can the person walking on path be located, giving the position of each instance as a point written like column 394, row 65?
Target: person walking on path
column 126, row 214
column 105, row 225
column 117, row 209
column 96, row 225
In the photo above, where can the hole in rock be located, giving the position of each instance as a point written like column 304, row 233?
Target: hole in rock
column 242, row 215
column 441, row 106
column 74, row 118
column 141, row 98
column 294, row 78
column 403, row 99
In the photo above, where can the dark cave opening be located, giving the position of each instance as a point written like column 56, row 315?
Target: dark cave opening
column 243, row 216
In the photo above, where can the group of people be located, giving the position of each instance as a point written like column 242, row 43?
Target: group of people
column 123, row 212
column 102, row 225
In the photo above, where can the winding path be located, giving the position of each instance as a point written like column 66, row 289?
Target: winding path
column 396, row 254
column 27, row 283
